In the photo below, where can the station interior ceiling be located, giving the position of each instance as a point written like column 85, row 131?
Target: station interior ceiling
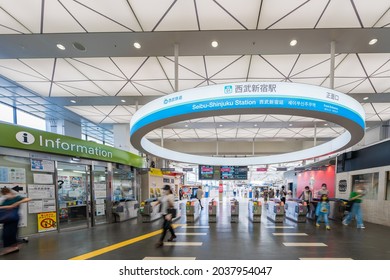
column 99, row 78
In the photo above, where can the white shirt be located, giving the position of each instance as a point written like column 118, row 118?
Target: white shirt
column 166, row 202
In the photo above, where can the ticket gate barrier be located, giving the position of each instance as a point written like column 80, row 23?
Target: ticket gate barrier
column 254, row 211
column 192, row 210
column 148, row 211
column 295, row 211
column 213, row 211
column 275, row 211
column 338, row 208
column 179, row 206
column 234, row 210
column 125, row 209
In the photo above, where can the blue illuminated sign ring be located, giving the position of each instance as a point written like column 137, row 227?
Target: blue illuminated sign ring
column 250, row 98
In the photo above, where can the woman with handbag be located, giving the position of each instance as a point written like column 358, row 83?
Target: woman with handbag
column 167, row 202
column 10, row 213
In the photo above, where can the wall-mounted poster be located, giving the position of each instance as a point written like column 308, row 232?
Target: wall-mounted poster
column 47, row 221
column 42, row 165
column 12, row 175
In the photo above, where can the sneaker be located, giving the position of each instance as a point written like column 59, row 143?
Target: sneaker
column 327, row 227
column 317, row 225
column 362, row 227
column 159, row 244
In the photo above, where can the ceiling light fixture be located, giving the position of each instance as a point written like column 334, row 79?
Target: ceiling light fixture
column 61, row 47
column 137, row 45
column 365, row 98
column 186, row 125
column 373, row 41
column 290, row 124
column 73, row 101
column 221, row 125
column 123, row 101
column 214, row 44
column 325, row 124
column 293, row 43
column 255, row 125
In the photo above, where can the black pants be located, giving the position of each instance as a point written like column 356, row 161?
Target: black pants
column 10, row 233
column 200, row 203
column 167, row 225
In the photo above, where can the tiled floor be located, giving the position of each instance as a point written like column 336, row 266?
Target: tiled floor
column 212, row 241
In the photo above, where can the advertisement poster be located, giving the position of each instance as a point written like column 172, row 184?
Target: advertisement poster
column 43, row 178
column 47, row 221
column 42, row 165
column 12, row 175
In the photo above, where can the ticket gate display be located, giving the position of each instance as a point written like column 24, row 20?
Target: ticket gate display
column 254, row 211
column 234, row 210
column 148, row 211
column 275, row 211
column 295, row 211
column 192, row 210
column 212, row 211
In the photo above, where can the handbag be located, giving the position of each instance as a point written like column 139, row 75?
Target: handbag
column 172, row 211
column 9, row 215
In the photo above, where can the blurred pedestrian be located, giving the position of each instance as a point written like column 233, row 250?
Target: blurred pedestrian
column 356, row 198
column 10, row 207
column 322, row 211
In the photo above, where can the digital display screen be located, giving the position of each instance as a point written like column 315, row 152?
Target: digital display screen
column 234, row 172
column 206, row 172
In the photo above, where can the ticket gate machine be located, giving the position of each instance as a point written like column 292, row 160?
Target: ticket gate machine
column 213, row 211
column 254, row 211
column 192, row 210
column 295, row 210
column 125, row 209
column 234, row 210
column 275, row 211
column 149, row 212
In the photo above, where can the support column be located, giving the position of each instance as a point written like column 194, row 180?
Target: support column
column 332, row 63
column 176, row 52
column 122, row 137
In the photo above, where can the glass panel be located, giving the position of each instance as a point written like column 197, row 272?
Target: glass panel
column 30, row 120
column 369, row 182
column 123, row 184
column 7, row 113
column 387, row 197
column 100, row 194
column 72, row 195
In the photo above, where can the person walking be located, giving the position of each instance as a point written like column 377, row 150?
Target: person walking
column 307, row 197
column 167, row 201
column 323, row 190
column 11, row 202
column 356, row 198
column 199, row 195
column 322, row 211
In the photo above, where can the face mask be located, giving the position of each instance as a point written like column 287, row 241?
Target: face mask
column 324, row 198
column 360, row 191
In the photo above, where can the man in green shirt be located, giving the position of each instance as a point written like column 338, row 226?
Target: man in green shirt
column 356, row 211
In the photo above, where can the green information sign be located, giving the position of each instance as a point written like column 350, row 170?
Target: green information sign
column 18, row 137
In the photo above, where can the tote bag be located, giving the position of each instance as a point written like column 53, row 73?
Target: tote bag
column 9, row 215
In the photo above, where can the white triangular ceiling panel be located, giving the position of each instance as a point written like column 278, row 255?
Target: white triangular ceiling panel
column 247, row 14
column 66, row 72
column 213, row 17
column 16, row 71
column 370, row 12
column 183, row 12
column 112, row 88
column 83, row 88
column 260, row 69
column 273, row 11
column 339, row 14
column 129, row 90
column 150, row 70
column 216, row 64
column 41, row 88
column 158, row 87
column 29, row 14
column 238, row 69
column 375, row 63
column 283, row 63
column 350, row 67
column 52, row 24
column 97, row 68
column 305, row 16
column 94, row 21
column 381, row 84
column 43, row 66
column 363, row 87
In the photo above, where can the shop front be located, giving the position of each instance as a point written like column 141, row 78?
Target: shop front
column 71, row 182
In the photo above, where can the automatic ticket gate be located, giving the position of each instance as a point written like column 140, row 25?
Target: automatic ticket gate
column 234, row 210
column 192, row 210
column 125, row 209
column 295, row 210
column 254, row 211
column 275, row 211
column 213, row 211
column 148, row 211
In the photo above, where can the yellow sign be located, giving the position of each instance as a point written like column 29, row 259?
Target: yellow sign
column 155, row 172
column 47, row 221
